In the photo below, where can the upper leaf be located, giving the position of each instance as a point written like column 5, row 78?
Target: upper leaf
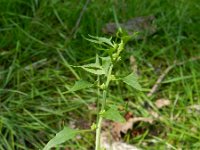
column 94, row 68
column 61, row 137
column 101, row 40
column 92, row 65
column 131, row 80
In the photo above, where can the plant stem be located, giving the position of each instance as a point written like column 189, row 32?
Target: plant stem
column 98, row 130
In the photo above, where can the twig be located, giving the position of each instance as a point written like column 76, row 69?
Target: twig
column 162, row 76
column 159, row 80
column 189, row 60
column 74, row 30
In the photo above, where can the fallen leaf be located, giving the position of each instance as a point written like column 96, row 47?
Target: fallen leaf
column 123, row 146
column 124, row 127
column 133, row 64
column 92, row 106
column 154, row 114
column 193, row 108
column 107, row 143
column 128, row 115
column 160, row 103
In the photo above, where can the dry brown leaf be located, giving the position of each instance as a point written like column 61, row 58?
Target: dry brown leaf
column 92, row 106
column 122, row 146
column 124, row 127
column 108, row 143
column 193, row 108
column 128, row 115
column 154, row 114
column 128, row 125
column 160, row 103
column 133, row 64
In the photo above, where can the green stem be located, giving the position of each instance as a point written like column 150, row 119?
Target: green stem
column 98, row 130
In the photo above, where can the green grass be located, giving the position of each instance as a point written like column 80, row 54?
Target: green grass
column 37, row 47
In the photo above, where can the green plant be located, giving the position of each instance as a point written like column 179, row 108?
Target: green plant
column 103, row 69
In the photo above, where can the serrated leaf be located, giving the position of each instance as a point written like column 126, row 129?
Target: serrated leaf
column 61, row 137
column 132, row 81
column 81, row 84
column 94, row 71
column 114, row 115
column 92, row 65
column 93, row 68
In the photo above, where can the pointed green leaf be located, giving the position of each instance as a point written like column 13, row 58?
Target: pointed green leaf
column 92, row 65
column 94, row 41
column 114, row 115
column 101, row 40
column 94, row 71
column 131, row 80
column 81, row 84
column 94, row 68
column 61, row 137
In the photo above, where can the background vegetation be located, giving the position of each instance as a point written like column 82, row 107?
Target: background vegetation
column 38, row 41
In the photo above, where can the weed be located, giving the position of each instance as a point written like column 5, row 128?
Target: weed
column 103, row 69
column 37, row 48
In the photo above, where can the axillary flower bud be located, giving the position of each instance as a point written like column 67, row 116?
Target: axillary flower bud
column 121, row 47
column 115, row 46
column 112, row 77
column 103, row 86
column 115, row 56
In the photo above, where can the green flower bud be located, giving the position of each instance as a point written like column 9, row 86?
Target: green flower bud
column 112, row 77
column 103, row 86
column 93, row 126
column 102, row 112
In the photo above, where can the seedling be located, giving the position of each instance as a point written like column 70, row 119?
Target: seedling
column 102, row 68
